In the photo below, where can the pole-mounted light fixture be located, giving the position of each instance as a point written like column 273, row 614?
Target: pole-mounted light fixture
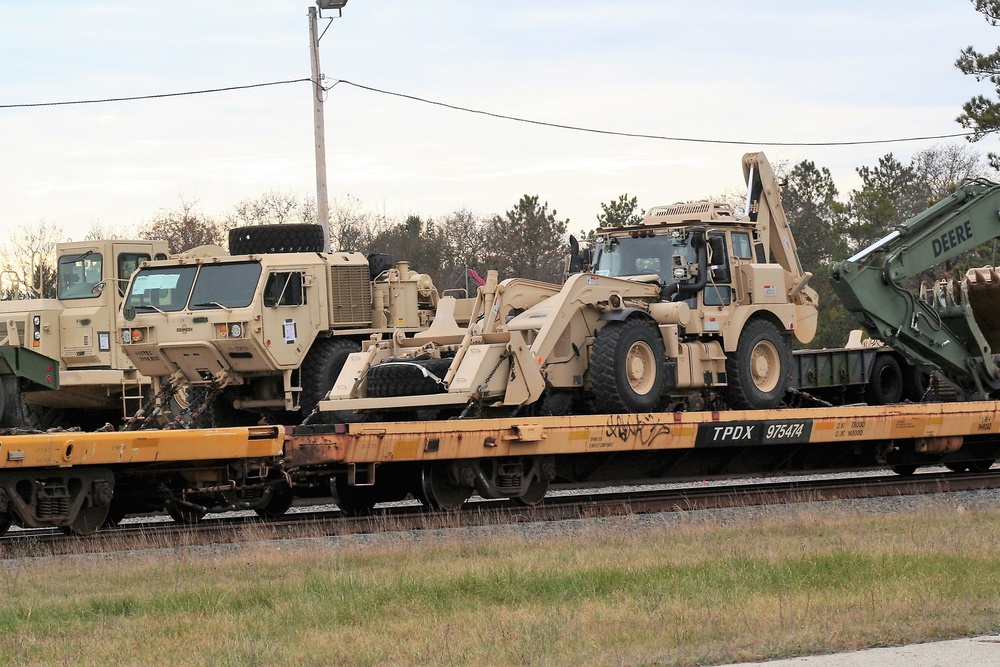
column 331, row 4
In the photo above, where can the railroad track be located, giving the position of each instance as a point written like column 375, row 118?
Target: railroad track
column 153, row 532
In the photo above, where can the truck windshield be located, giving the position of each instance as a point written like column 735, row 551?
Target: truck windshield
column 204, row 287
column 225, row 285
column 627, row 256
column 163, row 288
column 79, row 274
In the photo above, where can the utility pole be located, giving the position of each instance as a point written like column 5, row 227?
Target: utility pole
column 319, row 129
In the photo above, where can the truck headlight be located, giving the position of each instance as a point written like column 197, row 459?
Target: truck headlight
column 236, row 330
column 126, row 336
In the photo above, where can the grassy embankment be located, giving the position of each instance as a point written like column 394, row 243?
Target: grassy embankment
column 682, row 594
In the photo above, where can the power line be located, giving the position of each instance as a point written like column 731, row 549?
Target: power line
column 560, row 126
column 577, row 128
column 151, row 97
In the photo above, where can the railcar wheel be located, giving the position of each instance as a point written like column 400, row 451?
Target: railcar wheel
column 757, row 372
column 184, row 514
column 970, row 466
column 353, row 500
column 280, row 502
column 320, row 369
column 904, row 470
column 534, row 494
column 5, row 522
column 87, row 521
column 257, row 239
column 117, row 511
column 627, row 367
column 885, row 383
column 438, row 491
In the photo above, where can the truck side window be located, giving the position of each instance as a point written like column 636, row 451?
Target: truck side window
column 284, row 289
column 128, row 262
column 78, row 275
column 741, row 246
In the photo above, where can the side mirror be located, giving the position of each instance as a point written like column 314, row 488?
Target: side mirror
column 574, row 262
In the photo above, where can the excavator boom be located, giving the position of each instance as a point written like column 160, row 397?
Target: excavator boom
column 942, row 329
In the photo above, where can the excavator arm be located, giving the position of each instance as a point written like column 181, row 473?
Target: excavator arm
column 764, row 208
column 937, row 329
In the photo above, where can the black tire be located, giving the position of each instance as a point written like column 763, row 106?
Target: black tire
column 885, row 382
column 259, row 239
column 915, row 383
column 626, row 367
column 405, row 378
column 320, row 369
column 757, row 372
column 11, row 407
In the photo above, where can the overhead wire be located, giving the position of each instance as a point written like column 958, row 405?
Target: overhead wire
column 491, row 114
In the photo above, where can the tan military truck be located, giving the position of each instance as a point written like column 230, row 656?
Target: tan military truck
column 60, row 360
column 694, row 307
column 265, row 332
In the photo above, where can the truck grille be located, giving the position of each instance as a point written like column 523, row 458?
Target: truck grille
column 350, row 296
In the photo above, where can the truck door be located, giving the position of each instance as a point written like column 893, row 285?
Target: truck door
column 126, row 258
column 85, row 322
column 718, row 291
column 290, row 318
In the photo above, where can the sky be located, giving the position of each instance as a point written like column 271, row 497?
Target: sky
column 766, row 72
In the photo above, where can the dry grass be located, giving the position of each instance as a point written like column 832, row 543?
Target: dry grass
column 674, row 595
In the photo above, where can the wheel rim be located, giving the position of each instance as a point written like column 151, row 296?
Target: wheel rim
column 640, row 368
column 765, row 366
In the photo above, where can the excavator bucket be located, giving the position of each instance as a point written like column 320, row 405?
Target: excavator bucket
column 982, row 287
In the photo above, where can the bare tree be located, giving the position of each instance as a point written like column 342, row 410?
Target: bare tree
column 352, row 228
column 183, row 228
column 941, row 167
column 271, row 208
column 99, row 231
column 30, row 261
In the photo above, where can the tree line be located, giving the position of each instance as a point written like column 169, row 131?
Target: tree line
column 530, row 240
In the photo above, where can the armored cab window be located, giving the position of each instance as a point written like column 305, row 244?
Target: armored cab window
column 163, row 289
column 128, row 262
column 225, row 285
column 718, row 292
column 284, row 289
column 77, row 275
column 741, row 246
